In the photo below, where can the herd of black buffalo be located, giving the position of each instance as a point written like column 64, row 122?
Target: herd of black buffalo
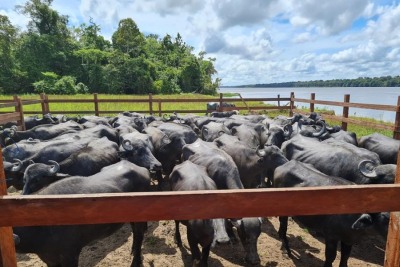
column 132, row 152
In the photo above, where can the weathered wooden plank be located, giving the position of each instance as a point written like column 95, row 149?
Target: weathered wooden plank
column 342, row 104
column 63, row 112
column 358, row 122
column 392, row 257
column 9, row 104
column 31, row 102
column 6, row 117
column 123, row 100
column 96, row 105
column 345, row 112
column 7, row 248
column 396, row 131
column 187, row 100
column 127, row 207
column 71, row 100
column 392, row 252
column 272, row 99
column 270, row 107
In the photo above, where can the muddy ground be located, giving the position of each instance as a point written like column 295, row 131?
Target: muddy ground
column 159, row 249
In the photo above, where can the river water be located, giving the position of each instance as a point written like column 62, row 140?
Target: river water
column 367, row 95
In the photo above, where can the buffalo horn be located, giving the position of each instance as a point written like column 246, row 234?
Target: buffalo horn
column 127, row 145
column 17, row 165
column 221, row 133
column 367, row 168
column 204, row 133
column 260, row 152
column 55, row 167
column 166, row 117
column 333, row 129
column 323, row 129
column 287, row 130
column 165, row 140
column 13, row 131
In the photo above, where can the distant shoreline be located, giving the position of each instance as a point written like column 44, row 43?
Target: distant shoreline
column 386, row 81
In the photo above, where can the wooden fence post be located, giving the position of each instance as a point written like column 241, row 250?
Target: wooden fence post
column 96, row 104
column 20, row 110
column 7, row 247
column 221, row 108
column 151, row 103
column 43, row 103
column 46, row 104
column 279, row 101
column 311, row 103
column 159, row 107
column 396, row 130
column 291, row 104
column 392, row 251
column 345, row 112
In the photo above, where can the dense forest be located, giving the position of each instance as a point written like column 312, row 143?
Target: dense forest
column 386, row 81
column 53, row 58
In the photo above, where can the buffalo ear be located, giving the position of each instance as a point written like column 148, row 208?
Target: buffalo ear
column 233, row 130
column 364, row 221
column 218, row 142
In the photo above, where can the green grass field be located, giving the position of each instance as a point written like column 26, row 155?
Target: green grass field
column 54, row 107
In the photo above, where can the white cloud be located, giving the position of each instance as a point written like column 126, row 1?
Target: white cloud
column 329, row 17
column 303, row 37
column 104, row 10
column 18, row 20
column 241, row 12
column 260, row 41
column 386, row 30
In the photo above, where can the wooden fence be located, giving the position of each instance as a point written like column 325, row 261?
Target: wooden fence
column 130, row 207
column 155, row 106
column 133, row 207
column 346, row 104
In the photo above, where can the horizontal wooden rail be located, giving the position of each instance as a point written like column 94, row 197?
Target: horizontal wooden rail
column 7, row 117
column 8, row 104
column 185, row 100
column 31, row 102
column 131, row 207
column 357, row 122
column 343, row 104
column 71, row 100
column 256, row 99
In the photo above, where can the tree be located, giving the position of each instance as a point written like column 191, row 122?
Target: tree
column 191, row 79
column 88, row 36
column 44, row 20
column 8, row 35
column 127, row 38
column 47, row 46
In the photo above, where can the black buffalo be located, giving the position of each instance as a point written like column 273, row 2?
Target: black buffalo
column 341, row 159
column 188, row 176
column 85, row 162
column 61, row 245
column 347, row 229
column 387, row 148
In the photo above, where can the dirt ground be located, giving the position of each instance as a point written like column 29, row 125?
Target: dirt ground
column 159, row 249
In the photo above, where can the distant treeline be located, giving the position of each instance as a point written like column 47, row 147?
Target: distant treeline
column 385, row 81
column 53, row 58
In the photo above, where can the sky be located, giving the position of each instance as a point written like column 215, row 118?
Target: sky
column 259, row 41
